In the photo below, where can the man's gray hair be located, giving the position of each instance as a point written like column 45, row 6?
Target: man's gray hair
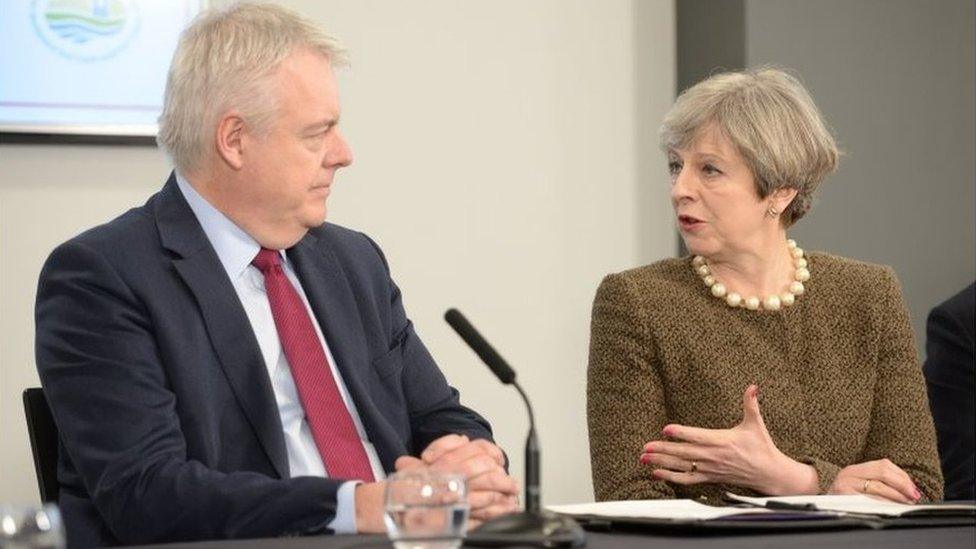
column 773, row 123
column 224, row 61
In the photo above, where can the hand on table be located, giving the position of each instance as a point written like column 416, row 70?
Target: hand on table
column 744, row 455
column 880, row 478
column 491, row 491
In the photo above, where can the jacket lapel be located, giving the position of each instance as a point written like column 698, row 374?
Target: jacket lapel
column 227, row 324
column 334, row 304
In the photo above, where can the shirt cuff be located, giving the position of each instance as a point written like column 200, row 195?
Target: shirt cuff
column 345, row 517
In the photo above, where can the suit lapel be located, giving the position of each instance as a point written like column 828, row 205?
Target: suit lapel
column 227, row 324
column 334, row 304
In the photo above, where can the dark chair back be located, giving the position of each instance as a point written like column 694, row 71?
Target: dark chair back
column 44, row 442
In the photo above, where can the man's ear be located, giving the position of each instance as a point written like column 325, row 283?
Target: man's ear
column 230, row 140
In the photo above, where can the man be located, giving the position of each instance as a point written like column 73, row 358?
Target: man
column 950, row 373
column 219, row 362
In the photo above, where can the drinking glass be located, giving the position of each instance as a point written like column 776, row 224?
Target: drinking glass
column 30, row 527
column 426, row 509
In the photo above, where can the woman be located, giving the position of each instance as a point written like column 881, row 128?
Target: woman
column 684, row 350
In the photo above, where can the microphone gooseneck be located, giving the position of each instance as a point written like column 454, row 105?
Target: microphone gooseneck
column 534, row 526
column 532, row 480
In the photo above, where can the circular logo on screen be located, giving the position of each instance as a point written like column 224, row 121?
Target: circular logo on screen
column 85, row 30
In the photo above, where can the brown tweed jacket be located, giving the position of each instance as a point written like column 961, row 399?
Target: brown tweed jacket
column 838, row 374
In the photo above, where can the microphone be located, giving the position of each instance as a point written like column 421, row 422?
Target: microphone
column 484, row 350
column 533, row 526
column 506, row 375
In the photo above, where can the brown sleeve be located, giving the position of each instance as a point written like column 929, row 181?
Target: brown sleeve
column 826, row 471
column 625, row 400
column 901, row 422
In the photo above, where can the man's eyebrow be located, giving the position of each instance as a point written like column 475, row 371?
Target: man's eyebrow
column 325, row 123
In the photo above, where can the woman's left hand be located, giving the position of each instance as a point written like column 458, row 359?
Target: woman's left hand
column 744, row 455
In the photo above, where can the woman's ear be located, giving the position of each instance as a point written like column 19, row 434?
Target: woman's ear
column 780, row 199
column 230, row 140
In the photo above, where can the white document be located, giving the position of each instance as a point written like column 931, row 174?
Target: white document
column 858, row 504
column 668, row 509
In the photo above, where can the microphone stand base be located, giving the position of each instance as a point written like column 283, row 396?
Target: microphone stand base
column 542, row 529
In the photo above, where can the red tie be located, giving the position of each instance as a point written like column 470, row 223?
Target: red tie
column 332, row 427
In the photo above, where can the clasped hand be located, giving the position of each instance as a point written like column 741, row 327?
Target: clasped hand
column 491, row 491
column 744, row 455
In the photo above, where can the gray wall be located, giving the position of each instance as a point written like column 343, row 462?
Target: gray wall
column 895, row 80
column 711, row 38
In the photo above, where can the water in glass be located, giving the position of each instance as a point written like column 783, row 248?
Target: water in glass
column 30, row 527
column 426, row 510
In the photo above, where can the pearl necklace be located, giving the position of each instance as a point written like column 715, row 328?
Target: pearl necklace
column 771, row 303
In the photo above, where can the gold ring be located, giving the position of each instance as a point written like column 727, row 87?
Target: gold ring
column 694, row 468
column 865, row 487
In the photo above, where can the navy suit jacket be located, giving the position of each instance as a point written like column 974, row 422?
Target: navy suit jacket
column 168, row 424
column 950, row 373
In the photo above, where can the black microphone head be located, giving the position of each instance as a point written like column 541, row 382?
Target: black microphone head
column 478, row 344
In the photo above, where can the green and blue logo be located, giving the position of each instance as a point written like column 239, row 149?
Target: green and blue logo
column 85, row 30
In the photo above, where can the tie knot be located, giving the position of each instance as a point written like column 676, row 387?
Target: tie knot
column 266, row 260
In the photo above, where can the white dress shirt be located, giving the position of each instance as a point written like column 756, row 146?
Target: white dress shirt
column 236, row 249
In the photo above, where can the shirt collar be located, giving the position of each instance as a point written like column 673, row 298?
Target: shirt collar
column 235, row 248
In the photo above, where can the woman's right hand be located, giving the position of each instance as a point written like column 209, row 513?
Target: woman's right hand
column 880, row 478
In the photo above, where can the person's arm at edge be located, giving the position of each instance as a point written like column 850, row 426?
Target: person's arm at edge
column 625, row 396
column 901, row 422
column 949, row 377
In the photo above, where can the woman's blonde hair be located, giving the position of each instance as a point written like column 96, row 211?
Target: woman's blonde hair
column 224, row 60
column 773, row 123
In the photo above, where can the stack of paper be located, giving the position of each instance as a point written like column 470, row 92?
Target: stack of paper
column 664, row 509
column 768, row 514
column 856, row 504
